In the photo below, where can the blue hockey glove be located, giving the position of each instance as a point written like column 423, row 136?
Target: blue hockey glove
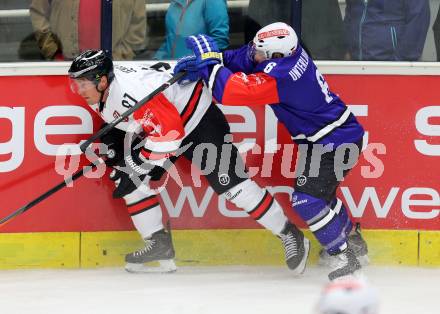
column 188, row 64
column 205, row 50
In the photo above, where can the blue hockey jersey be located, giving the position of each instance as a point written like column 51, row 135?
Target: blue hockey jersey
column 296, row 91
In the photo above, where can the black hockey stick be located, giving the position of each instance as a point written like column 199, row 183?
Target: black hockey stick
column 52, row 191
column 139, row 104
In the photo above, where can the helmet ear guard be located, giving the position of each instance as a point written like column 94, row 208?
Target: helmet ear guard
column 277, row 55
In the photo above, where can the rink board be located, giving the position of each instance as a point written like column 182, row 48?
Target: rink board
column 201, row 248
column 84, row 231
column 395, row 185
column 429, row 248
column 39, row 250
column 240, row 247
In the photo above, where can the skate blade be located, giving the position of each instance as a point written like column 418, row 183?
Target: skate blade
column 165, row 266
column 299, row 270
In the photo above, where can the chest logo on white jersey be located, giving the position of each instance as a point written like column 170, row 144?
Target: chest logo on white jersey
column 116, row 115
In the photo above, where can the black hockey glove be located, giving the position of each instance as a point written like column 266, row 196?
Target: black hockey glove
column 129, row 174
column 114, row 140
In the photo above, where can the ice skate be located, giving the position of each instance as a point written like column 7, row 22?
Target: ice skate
column 159, row 248
column 357, row 245
column 296, row 248
column 345, row 264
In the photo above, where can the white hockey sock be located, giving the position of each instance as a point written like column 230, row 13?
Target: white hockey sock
column 259, row 204
column 144, row 209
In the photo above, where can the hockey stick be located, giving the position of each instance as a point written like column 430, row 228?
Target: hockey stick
column 52, row 191
column 139, row 104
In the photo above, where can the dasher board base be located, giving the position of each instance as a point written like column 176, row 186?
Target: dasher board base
column 202, row 248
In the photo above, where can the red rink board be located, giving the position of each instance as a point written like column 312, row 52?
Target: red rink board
column 402, row 112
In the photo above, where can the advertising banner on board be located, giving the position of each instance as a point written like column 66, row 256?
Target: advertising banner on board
column 394, row 186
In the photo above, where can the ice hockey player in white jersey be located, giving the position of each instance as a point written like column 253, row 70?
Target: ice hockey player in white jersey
column 172, row 124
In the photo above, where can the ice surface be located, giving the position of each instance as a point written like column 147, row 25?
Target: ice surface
column 204, row 290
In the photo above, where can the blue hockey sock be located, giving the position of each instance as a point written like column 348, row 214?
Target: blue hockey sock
column 338, row 206
column 322, row 220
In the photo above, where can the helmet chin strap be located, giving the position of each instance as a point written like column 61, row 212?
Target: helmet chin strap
column 101, row 103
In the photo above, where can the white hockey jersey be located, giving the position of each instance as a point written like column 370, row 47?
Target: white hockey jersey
column 166, row 119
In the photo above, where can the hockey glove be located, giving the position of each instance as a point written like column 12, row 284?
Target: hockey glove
column 206, row 52
column 205, row 49
column 48, row 43
column 129, row 174
column 188, row 64
column 114, row 140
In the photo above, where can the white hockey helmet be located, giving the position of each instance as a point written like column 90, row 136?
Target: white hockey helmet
column 349, row 296
column 275, row 38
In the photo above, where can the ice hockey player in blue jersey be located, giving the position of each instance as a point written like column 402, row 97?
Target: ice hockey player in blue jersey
column 274, row 69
